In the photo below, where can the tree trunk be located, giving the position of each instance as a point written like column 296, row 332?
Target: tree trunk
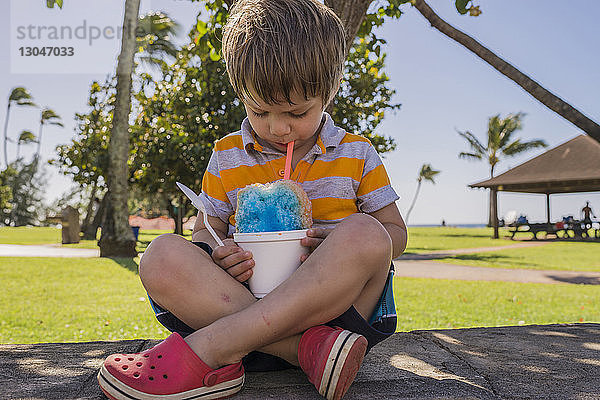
column 6, row 134
column 92, row 230
column 39, row 141
column 352, row 13
column 491, row 211
column 90, row 207
column 179, row 217
column 117, row 239
column 413, row 202
column 547, row 98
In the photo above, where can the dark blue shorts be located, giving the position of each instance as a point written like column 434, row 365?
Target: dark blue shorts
column 380, row 326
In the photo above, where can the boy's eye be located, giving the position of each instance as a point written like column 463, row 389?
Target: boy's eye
column 259, row 115
column 298, row 115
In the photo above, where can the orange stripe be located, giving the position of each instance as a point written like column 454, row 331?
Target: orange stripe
column 375, row 179
column 211, row 185
column 351, row 137
column 329, row 208
column 240, row 177
column 230, row 142
column 343, row 166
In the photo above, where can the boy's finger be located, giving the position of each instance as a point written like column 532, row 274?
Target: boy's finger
column 244, row 276
column 237, row 258
column 317, row 232
column 311, row 242
column 240, row 268
column 224, row 251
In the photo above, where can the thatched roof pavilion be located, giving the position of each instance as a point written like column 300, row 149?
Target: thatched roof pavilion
column 571, row 167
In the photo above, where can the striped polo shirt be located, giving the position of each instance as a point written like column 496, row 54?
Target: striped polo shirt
column 342, row 174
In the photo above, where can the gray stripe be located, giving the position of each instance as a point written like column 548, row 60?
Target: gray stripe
column 235, row 157
column 372, row 161
column 332, row 186
column 377, row 199
column 356, row 149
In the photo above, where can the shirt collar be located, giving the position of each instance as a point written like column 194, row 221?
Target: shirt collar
column 330, row 136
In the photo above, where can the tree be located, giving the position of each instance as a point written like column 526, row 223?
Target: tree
column 426, row 173
column 26, row 187
column 18, row 96
column 47, row 117
column 500, row 142
column 5, row 192
column 154, row 33
column 26, row 137
column 117, row 239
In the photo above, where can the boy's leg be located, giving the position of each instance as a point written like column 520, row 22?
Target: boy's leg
column 349, row 268
column 183, row 279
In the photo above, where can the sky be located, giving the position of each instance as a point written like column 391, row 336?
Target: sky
column 443, row 88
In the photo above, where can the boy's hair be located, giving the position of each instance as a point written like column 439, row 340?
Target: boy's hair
column 276, row 47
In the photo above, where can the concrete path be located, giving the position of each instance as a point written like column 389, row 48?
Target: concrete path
column 435, row 254
column 438, row 270
column 408, row 265
column 16, row 250
column 517, row 362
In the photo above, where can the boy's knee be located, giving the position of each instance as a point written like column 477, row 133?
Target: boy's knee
column 158, row 257
column 370, row 236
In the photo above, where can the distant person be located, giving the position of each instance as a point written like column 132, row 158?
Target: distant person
column 587, row 213
column 443, row 222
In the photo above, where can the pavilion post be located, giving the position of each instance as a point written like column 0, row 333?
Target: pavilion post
column 548, row 207
column 494, row 200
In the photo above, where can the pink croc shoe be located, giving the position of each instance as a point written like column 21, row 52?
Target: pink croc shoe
column 170, row 370
column 331, row 358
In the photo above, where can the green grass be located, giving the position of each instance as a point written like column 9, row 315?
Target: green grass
column 436, row 304
column 424, row 240
column 73, row 299
column 29, row 235
column 58, row 300
column 568, row 256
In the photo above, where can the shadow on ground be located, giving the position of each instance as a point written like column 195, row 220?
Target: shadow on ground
column 127, row 263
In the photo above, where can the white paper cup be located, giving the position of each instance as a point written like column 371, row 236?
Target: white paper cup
column 276, row 257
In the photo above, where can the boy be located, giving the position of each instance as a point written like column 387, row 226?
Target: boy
column 285, row 61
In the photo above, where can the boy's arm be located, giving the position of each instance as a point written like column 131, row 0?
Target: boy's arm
column 201, row 234
column 390, row 218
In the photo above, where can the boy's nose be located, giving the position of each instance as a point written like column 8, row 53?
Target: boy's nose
column 280, row 128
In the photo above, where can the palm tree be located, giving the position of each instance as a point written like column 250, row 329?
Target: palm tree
column 47, row 117
column 25, row 137
column 117, row 239
column 426, row 173
column 500, row 142
column 154, row 33
column 20, row 97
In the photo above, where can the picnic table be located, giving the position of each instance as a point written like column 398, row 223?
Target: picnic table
column 574, row 228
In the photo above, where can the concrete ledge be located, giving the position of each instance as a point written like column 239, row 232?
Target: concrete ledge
column 538, row 361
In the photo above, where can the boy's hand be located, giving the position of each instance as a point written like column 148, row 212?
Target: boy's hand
column 236, row 261
column 314, row 237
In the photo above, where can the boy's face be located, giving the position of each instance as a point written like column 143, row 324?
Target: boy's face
column 280, row 123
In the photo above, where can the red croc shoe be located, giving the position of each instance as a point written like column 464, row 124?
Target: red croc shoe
column 170, row 370
column 331, row 358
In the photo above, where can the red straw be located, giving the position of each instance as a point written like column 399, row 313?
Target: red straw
column 288, row 160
